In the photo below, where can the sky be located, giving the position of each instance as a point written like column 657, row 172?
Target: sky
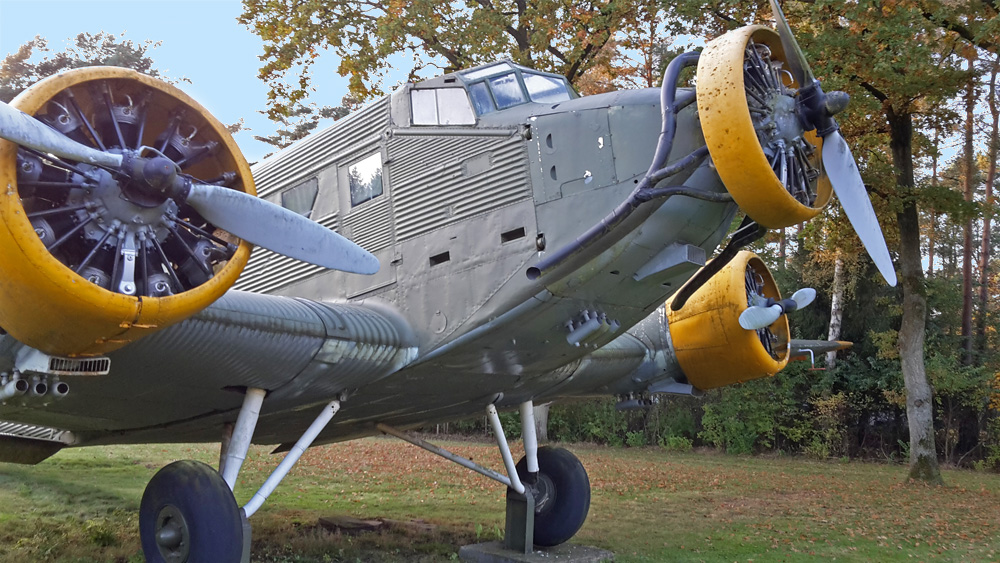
column 201, row 41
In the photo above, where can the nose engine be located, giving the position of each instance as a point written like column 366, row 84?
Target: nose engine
column 746, row 103
column 92, row 260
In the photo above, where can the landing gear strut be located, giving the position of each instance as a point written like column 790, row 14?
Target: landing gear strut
column 188, row 512
column 548, row 492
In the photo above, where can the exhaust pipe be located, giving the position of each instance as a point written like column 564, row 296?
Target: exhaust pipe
column 13, row 388
column 38, row 388
column 59, row 389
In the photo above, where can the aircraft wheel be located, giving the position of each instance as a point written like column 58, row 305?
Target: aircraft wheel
column 188, row 514
column 562, row 495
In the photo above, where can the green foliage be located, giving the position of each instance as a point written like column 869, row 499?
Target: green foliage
column 635, row 439
column 568, row 37
column 24, row 67
column 677, row 444
column 302, row 120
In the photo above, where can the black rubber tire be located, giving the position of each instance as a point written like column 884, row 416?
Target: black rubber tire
column 214, row 524
column 563, row 516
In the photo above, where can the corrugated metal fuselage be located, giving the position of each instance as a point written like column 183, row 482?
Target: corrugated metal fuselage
column 464, row 212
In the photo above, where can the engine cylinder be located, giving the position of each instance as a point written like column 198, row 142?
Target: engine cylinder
column 86, row 268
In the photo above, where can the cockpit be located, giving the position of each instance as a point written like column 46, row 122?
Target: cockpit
column 459, row 98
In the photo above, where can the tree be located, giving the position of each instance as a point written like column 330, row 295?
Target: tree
column 563, row 36
column 907, row 70
column 993, row 147
column 22, row 69
column 968, row 191
column 303, row 120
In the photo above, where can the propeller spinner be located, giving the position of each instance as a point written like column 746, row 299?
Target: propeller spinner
column 764, row 311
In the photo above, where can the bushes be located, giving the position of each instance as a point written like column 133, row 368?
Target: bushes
column 855, row 410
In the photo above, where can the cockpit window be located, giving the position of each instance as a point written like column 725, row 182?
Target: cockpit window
column 545, row 89
column 488, row 71
column 507, row 90
column 424, row 104
column 453, row 107
column 481, row 99
column 441, row 106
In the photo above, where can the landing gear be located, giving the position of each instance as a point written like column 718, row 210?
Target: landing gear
column 561, row 491
column 548, row 492
column 189, row 514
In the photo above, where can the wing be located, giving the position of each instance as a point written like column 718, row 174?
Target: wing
column 809, row 349
column 185, row 383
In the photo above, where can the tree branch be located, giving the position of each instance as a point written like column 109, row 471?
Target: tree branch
column 879, row 95
column 961, row 31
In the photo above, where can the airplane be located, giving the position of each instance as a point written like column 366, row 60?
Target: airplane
column 485, row 240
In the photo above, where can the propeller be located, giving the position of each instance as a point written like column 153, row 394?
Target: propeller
column 766, row 310
column 250, row 218
column 817, row 109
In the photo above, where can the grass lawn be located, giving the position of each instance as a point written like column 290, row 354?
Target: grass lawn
column 648, row 505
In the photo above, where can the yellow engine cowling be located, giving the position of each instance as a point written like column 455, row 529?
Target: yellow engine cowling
column 710, row 345
column 44, row 302
column 759, row 182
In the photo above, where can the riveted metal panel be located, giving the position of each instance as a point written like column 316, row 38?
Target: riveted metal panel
column 442, row 180
column 268, row 270
column 306, row 158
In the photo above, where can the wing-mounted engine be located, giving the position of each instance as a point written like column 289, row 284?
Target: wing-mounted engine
column 89, row 261
column 710, row 345
column 769, row 163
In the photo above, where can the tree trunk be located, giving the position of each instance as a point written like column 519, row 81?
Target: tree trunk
column 970, row 166
column 836, row 308
column 542, row 422
column 991, row 175
column 934, row 181
column 919, row 398
column 930, row 236
column 781, row 247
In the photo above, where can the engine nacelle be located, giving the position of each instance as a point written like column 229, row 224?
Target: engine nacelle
column 770, row 165
column 708, row 342
column 83, row 270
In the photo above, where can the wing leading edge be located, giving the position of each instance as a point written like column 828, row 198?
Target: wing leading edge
column 186, row 382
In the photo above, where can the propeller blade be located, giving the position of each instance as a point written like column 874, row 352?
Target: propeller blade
column 19, row 127
column 803, row 297
column 757, row 317
column 273, row 227
column 850, row 190
column 793, row 53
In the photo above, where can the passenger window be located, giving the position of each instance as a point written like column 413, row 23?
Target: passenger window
column 545, row 89
column 301, row 198
column 480, row 94
column 507, row 90
column 365, row 178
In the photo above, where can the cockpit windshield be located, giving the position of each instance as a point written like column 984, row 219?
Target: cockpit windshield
column 503, row 85
column 496, row 87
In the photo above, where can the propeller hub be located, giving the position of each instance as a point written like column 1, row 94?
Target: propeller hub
column 150, row 180
column 816, row 108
